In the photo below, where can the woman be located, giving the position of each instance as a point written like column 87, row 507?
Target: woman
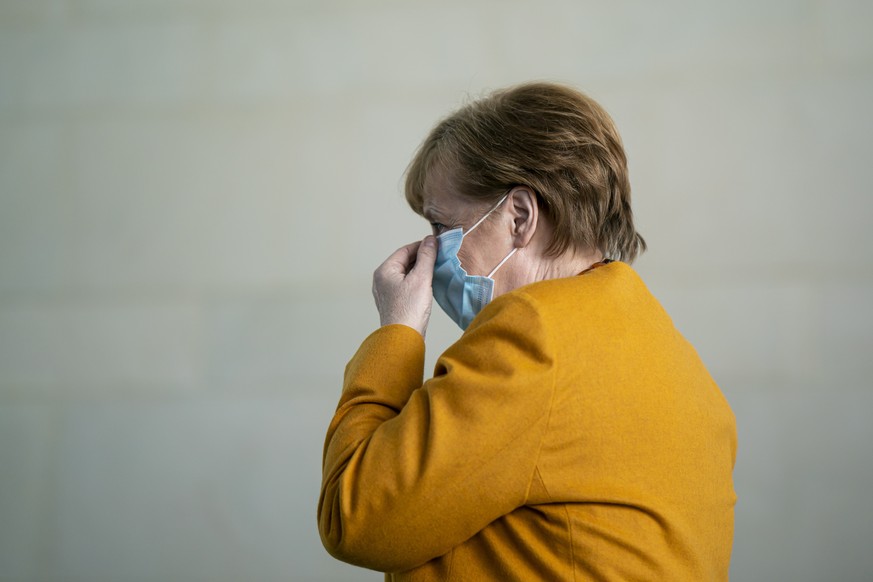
column 571, row 433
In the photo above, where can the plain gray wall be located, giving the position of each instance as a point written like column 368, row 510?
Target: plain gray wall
column 194, row 194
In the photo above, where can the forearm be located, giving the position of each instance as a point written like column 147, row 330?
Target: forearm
column 379, row 380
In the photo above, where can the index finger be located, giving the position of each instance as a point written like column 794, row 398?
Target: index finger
column 404, row 257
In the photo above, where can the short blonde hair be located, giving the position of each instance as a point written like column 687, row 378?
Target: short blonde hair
column 550, row 138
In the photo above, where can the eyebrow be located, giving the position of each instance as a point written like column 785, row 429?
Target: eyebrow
column 430, row 213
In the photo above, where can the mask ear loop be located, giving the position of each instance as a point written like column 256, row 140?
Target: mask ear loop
column 487, row 214
column 480, row 221
column 500, row 264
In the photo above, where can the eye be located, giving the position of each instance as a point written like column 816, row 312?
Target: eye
column 437, row 227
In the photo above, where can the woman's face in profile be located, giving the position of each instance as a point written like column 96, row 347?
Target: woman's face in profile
column 446, row 209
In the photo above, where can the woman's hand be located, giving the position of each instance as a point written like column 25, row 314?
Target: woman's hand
column 402, row 285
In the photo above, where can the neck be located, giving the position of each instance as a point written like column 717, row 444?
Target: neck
column 566, row 265
column 532, row 269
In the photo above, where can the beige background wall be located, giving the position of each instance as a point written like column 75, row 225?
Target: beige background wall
column 194, row 194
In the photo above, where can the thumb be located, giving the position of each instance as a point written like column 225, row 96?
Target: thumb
column 426, row 257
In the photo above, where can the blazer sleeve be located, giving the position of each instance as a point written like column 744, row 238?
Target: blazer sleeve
column 411, row 470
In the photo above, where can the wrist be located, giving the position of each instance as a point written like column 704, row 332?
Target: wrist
column 417, row 326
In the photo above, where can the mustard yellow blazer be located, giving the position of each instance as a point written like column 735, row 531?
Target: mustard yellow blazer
column 571, row 433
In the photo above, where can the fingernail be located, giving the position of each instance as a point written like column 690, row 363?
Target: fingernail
column 429, row 241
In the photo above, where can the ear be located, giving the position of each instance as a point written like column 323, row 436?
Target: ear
column 524, row 211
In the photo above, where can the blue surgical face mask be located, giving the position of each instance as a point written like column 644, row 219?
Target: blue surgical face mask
column 461, row 296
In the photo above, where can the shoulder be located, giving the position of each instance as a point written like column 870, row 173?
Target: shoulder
column 605, row 300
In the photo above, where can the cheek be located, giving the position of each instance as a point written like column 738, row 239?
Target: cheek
column 467, row 262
